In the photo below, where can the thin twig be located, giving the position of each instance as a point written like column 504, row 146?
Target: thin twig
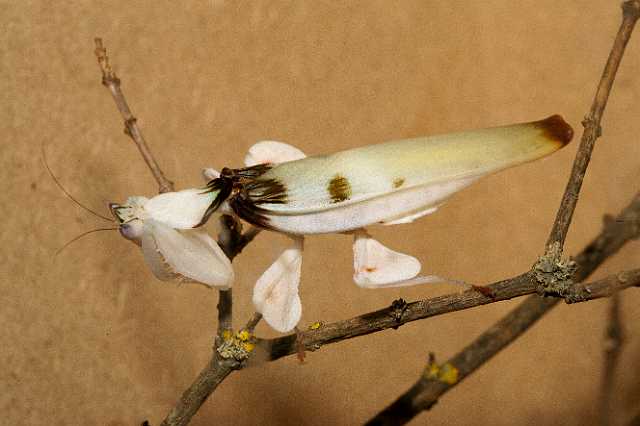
column 591, row 123
column 112, row 82
column 225, row 311
column 392, row 318
column 253, row 322
column 212, row 374
column 614, row 340
column 606, row 287
column 515, row 323
column 615, row 233
column 231, row 239
column 193, row 398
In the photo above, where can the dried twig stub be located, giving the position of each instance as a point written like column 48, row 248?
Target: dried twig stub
column 131, row 129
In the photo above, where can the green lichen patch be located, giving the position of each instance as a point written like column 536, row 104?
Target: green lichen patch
column 553, row 273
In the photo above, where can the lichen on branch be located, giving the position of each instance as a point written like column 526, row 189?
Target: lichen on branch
column 553, row 273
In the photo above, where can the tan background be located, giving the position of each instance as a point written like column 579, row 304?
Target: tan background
column 90, row 337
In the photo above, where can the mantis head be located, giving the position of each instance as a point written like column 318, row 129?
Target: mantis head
column 130, row 218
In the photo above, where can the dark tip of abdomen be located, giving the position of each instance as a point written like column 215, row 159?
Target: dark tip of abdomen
column 556, row 129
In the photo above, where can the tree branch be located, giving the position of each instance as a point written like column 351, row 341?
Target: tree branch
column 225, row 311
column 231, row 239
column 253, row 322
column 193, row 398
column 112, row 82
column 606, row 287
column 591, row 123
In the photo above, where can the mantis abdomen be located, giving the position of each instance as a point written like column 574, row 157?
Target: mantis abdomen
column 394, row 180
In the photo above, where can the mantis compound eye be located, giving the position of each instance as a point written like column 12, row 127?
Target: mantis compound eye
column 132, row 230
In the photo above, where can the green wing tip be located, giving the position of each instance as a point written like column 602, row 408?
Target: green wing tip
column 556, row 129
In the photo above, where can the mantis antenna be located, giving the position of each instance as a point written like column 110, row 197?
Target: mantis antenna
column 71, row 197
column 80, row 236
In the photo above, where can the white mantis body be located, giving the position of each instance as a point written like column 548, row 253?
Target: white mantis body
column 284, row 191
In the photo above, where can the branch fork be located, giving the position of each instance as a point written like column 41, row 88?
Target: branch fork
column 553, row 273
column 237, row 347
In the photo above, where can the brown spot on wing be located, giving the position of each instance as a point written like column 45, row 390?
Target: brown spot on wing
column 556, row 129
column 339, row 189
column 398, row 182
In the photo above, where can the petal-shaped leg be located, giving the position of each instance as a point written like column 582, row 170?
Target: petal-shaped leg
column 378, row 266
column 272, row 152
column 190, row 255
column 275, row 294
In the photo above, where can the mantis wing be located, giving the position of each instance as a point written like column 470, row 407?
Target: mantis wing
column 191, row 255
column 386, row 182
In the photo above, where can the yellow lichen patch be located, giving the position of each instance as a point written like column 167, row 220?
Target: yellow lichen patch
column 243, row 335
column 236, row 346
column 316, row 325
column 248, row 346
column 432, row 371
column 445, row 373
column 448, row 374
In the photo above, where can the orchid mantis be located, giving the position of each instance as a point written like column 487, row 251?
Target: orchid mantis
column 282, row 190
